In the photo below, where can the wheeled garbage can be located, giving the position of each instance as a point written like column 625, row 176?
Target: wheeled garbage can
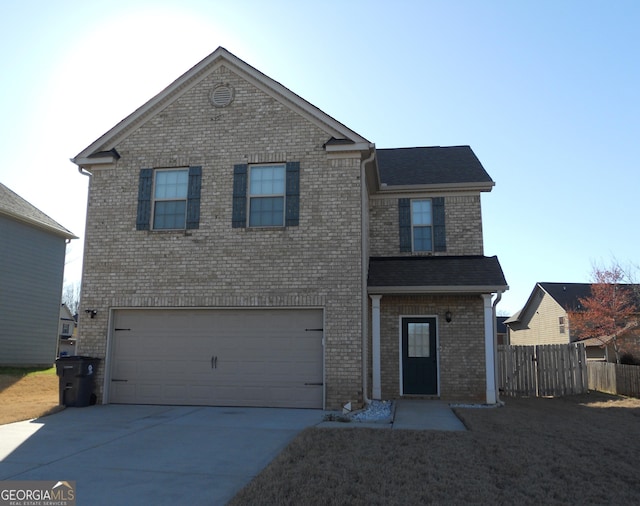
column 76, row 380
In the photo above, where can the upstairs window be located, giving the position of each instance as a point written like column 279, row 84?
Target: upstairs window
column 421, row 224
column 169, row 199
column 266, row 195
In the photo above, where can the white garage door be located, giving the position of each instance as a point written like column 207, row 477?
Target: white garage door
column 217, row 357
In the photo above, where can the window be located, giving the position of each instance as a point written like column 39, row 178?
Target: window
column 169, row 199
column 419, row 344
column 421, row 224
column 561, row 324
column 65, row 329
column 266, row 195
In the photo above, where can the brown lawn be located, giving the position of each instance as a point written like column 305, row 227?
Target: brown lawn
column 26, row 394
column 573, row 450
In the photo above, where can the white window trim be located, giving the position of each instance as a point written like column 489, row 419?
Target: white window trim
column 413, row 249
column 271, row 195
column 154, row 199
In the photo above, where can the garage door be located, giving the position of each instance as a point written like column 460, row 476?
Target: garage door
column 217, row 357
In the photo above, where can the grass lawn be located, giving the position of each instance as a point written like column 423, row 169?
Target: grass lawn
column 572, row 450
column 27, row 393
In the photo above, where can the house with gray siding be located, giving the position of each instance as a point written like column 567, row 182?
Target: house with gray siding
column 32, row 251
column 244, row 248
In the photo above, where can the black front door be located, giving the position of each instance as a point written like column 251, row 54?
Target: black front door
column 419, row 359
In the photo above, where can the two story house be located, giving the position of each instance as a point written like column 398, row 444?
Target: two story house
column 245, row 248
column 32, row 253
column 544, row 319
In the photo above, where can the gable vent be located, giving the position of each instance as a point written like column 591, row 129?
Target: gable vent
column 222, row 96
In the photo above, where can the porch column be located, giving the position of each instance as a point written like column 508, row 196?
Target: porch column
column 489, row 352
column 375, row 347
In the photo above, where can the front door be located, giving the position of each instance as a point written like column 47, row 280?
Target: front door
column 419, row 359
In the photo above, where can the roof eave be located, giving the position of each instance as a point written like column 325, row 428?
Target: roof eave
column 89, row 162
column 448, row 289
column 441, row 187
column 60, row 232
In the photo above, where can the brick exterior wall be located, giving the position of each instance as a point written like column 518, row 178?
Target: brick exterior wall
column 462, row 372
column 463, row 225
column 316, row 264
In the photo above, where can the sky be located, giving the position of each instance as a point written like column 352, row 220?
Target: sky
column 545, row 92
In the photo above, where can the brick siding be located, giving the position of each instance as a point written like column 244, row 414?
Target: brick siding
column 316, row 264
column 462, row 372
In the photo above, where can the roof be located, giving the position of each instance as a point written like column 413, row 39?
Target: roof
column 14, row 206
column 431, row 166
column 567, row 295
column 436, row 274
column 92, row 154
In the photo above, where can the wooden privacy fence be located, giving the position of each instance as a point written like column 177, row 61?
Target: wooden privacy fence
column 544, row 370
column 617, row 379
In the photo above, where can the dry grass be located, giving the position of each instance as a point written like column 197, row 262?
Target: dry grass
column 572, row 450
column 26, row 394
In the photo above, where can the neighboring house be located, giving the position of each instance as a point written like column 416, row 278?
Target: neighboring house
column 245, row 248
column 544, row 319
column 67, row 342
column 32, row 251
column 502, row 332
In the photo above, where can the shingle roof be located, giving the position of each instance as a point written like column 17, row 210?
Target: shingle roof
column 430, row 165
column 437, row 273
column 11, row 204
column 567, row 294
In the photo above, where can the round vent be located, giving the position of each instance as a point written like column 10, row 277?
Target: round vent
column 222, row 96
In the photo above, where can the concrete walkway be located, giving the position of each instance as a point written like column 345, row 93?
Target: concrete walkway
column 414, row 414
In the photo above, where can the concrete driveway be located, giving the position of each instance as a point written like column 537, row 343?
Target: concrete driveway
column 157, row 455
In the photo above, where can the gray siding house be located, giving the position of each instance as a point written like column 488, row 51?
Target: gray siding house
column 32, row 251
column 245, row 248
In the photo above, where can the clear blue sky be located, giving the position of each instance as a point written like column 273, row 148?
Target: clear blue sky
column 546, row 93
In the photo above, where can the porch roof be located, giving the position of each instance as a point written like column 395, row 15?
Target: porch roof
column 436, row 274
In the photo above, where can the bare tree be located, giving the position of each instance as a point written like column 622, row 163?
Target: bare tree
column 71, row 296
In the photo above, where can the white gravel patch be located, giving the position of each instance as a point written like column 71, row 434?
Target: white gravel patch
column 376, row 411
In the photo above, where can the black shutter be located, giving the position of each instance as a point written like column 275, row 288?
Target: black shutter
column 145, row 186
column 239, row 219
column 404, row 214
column 292, row 194
column 439, row 232
column 193, row 197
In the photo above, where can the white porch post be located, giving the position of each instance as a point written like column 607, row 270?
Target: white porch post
column 375, row 347
column 489, row 352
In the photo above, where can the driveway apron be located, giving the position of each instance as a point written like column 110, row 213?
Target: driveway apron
column 157, row 455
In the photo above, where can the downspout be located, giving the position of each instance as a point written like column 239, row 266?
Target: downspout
column 495, row 346
column 82, row 171
column 364, row 260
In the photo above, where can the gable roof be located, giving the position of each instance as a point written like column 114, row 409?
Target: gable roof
column 436, row 274
column 14, row 206
column 429, row 166
column 567, row 295
column 191, row 78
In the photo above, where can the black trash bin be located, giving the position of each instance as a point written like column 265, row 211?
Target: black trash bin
column 76, row 379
